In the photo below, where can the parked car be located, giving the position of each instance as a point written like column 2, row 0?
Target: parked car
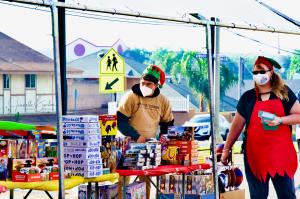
column 201, row 122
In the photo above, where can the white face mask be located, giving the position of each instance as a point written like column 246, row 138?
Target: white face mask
column 146, row 91
column 261, row 79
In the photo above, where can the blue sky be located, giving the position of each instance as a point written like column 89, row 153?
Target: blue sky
column 33, row 27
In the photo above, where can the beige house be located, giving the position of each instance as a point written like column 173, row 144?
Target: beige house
column 27, row 83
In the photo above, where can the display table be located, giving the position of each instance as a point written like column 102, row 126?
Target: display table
column 53, row 185
column 162, row 170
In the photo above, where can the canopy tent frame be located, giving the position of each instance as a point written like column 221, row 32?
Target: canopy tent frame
column 212, row 55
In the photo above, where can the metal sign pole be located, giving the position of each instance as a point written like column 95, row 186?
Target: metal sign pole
column 211, row 106
column 54, row 17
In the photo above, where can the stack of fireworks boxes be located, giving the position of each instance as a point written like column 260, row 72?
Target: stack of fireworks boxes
column 199, row 184
column 141, row 156
column 82, row 141
column 181, row 147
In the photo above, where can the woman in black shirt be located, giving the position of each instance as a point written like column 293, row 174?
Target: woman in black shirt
column 268, row 111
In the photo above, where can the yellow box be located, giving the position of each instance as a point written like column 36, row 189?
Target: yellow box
column 108, row 125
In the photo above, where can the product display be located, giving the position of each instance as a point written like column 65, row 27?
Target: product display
column 136, row 190
column 82, row 142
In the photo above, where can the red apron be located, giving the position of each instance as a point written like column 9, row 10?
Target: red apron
column 270, row 151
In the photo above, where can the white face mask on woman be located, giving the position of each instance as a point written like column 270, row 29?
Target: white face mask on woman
column 261, row 79
column 146, row 91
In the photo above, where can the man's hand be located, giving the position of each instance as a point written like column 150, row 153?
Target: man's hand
column 141, row 139
column 274, row 122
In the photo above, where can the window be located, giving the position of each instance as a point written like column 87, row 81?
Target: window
column 6, row 81
column 30, row 80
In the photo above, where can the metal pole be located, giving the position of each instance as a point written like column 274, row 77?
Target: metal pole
column 113, row 11
column 211, row 97
column 62, row 53
column 61, row 193
column 216, row 133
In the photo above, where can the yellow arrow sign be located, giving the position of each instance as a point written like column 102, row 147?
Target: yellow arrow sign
column 112, row 63
column 112, row 83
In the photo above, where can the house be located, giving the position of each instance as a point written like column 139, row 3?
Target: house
column 27, row 82
column 81, row 48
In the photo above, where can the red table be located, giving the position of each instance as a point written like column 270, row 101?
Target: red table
column 161, row 170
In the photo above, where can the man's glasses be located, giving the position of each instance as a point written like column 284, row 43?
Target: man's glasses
column 260, row 72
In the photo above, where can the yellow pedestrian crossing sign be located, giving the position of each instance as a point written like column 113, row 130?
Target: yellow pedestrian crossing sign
column 111, row 76
column 111, row 83
column 112, row 63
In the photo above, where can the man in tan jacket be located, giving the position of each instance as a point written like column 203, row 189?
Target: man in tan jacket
column 144, row 108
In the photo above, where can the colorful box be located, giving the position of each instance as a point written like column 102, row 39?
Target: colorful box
column 81, row 143
column 80, row 125
column 85, row 174
column 71, row 161
column 82, row 168
column 81, row 132
column 108, row 191
column 80, row 118
column 82, row 155
column 136, row 190
column 3, row 168
column 83, row 137
column 108, row 124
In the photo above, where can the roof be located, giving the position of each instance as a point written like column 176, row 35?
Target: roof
column 16, row 57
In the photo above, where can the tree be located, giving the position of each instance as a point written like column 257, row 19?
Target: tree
column 139, row 55
column 196, row 72
column 295, row 65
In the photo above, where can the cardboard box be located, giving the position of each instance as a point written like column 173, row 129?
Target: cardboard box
column 82, row 155
column 82, row 168
column 81, row 143
column 80, row 125
column 83, row 137
column 71, row 161
column 91, row 174
column 109, row 191
column 136, row 190
column 3, row 168
column 81, row 132
column 235, row 194
column 22, row 177
column 80, row 118
column 108, row 124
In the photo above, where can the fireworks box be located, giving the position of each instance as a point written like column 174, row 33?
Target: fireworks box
column 80, row 119
column 82, row 156
column 81, row 132
column 89, row 174
column 24, row 170
column 83, row 192
column 7, row 148
column 3, row 168
column 108, row 124
column 83, row 137
column 182, row 133
column 83, row 168
column 108, row 191
column 80, row 125
column 82, row 143
column 82, row 161
column 90, row 150
column 136, row 190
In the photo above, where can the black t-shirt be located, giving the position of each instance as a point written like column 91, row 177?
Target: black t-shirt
column 247, row 101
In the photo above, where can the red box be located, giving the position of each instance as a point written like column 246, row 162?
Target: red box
column 54, row 176
column 184, row 144
column 21, row 177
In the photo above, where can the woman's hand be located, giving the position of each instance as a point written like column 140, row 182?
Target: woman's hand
column 225, row 158
column 277, row 121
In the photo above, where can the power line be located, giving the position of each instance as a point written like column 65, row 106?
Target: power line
column 113, row 11
column 109, row 18
column 263, row 43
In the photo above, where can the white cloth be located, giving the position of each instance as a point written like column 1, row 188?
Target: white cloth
column 298, row 131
